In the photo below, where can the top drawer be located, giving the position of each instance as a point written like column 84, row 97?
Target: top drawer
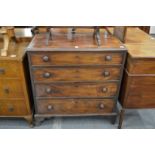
column 9, row 69
column 141, row 66
column 75, row 58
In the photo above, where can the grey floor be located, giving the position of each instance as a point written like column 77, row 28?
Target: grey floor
column 134, row 119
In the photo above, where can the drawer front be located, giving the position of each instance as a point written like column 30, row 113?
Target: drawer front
column 12, row 107
column 11, row 89
column 141, row 92
column 141, row 66
column 75, row 58
column 138, row 92
column 76, row 74
column 9, row 69
column 76, row 90
column 75, row 106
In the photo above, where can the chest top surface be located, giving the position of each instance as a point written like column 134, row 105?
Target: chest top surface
column 141, row 50
column 139, row 44
column 82, row 41
column 136, row 36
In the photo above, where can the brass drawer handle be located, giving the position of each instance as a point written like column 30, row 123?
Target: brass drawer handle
column 6, row 90
column 105, row 89
column 2, row 71
column 106, row 73
column 108, row 58
column 47, row 75
column 101, row 106
column 50, row 107
column 45, row 58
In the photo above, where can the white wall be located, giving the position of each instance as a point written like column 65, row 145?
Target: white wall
column 152, row 30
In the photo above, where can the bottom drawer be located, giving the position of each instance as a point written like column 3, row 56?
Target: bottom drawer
column 13, row 108
column 75, row 106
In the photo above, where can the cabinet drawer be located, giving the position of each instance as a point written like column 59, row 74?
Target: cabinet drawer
column 77, row 90
column 75, row 106
column 12, row 107
column 9, row 69
column 138, row 66
column 138, row 91
column 76, row 74
column 11, row 88
column 75, row 58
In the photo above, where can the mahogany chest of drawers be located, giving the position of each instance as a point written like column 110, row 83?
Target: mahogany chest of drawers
column 138, row 86
column 14, row 94
column 75, row 78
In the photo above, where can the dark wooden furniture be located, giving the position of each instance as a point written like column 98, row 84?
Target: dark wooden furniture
column 14, row 94
column 138, row 88
column 75, row 77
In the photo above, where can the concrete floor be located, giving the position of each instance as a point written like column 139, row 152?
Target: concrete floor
column 134, row 119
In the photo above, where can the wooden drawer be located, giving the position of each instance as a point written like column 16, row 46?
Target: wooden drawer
column 138, row 92
column 12, row 107
column 75, row 106
column 75, row 58
column 11, row 88
column 76, row 90
column 138, row 66
column 141, row 92
column 76, row 74
column 9, row 69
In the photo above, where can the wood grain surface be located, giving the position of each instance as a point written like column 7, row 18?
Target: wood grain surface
column 76, row 74
column 75, row 106
column 77, row 90
column 75, row 58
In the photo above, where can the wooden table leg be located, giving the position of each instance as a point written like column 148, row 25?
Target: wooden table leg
column 121, row 118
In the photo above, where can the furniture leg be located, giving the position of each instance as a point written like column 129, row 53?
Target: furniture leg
column 39, row 120
column 121, row 118
column 29, row 119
